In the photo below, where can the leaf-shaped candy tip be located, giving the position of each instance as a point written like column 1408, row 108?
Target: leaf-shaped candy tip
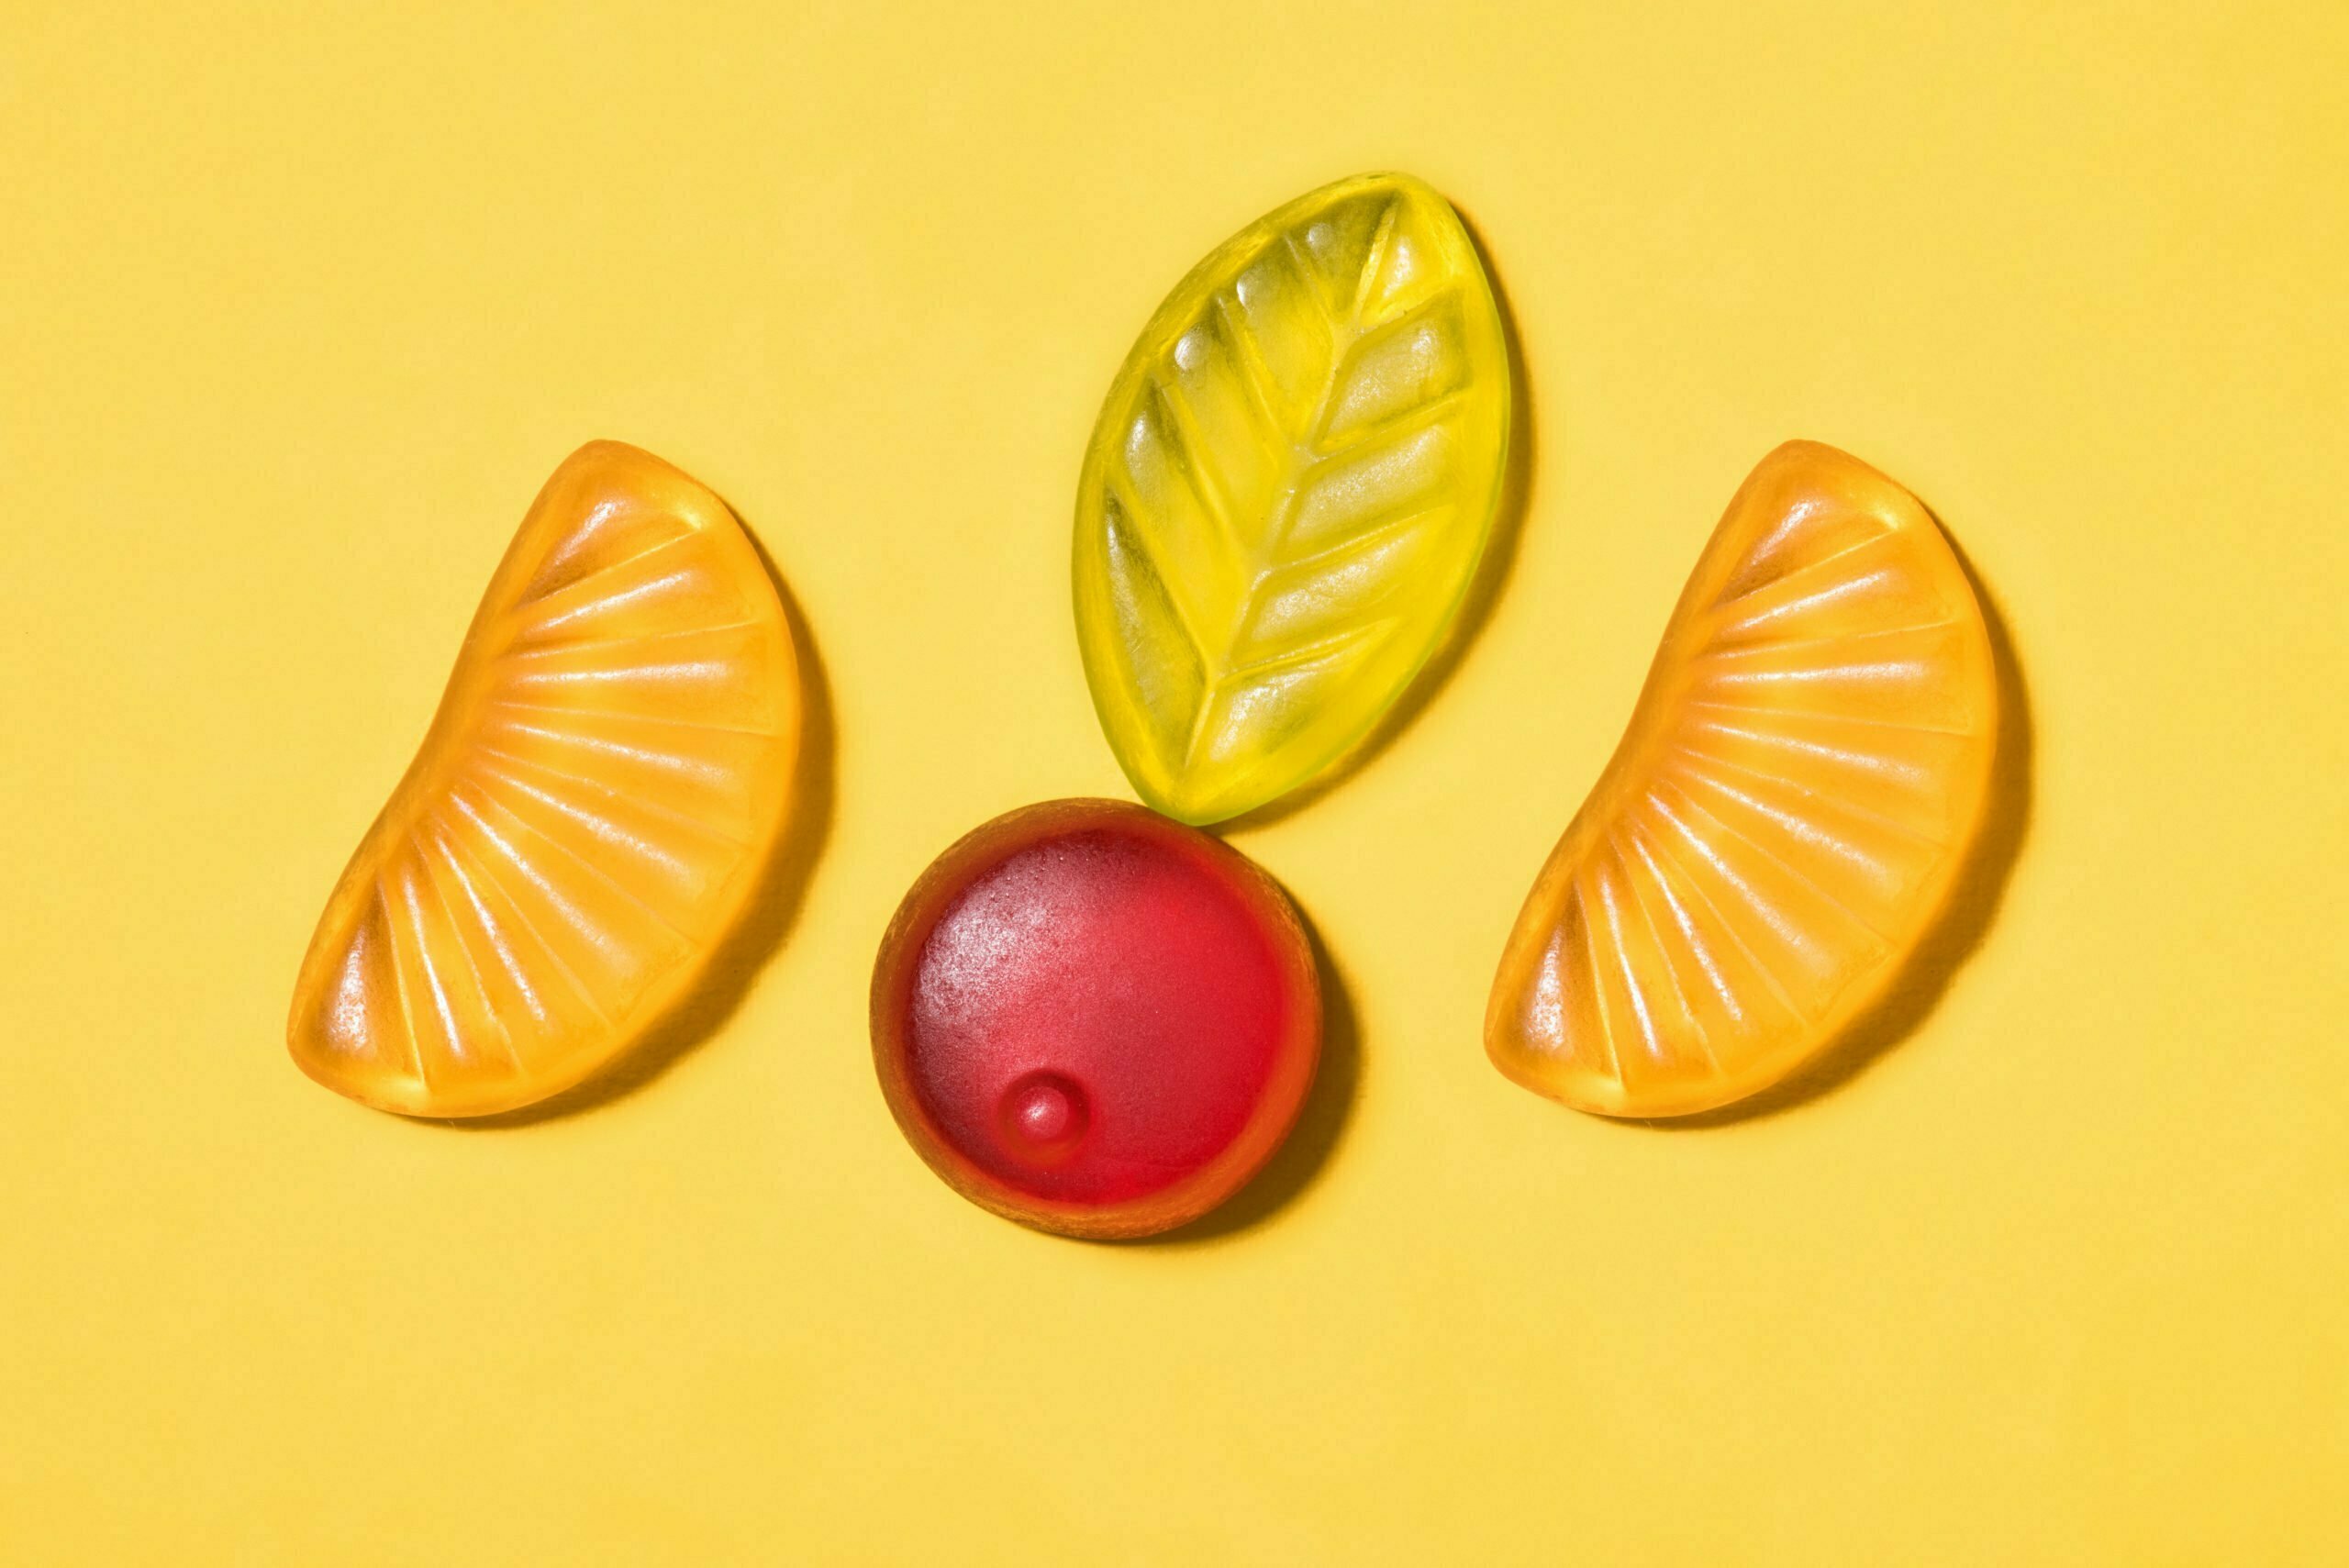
column 1287, row 493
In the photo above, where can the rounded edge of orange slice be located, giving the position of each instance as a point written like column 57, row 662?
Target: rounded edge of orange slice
column 1801, row 782
column 602, row 789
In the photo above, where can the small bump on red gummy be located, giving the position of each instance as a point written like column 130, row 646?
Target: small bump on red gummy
column 1044, row 1117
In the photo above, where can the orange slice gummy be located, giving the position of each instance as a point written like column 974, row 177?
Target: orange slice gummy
column 602, row 788
column 1802, row 781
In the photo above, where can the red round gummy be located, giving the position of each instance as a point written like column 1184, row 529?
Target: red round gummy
column 1093, row 1019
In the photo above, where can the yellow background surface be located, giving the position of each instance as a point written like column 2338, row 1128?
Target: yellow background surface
column 295, row 314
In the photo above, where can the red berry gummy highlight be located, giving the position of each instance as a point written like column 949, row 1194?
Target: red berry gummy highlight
column 1095, row 1020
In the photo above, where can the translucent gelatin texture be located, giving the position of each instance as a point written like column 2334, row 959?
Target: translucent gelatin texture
column 597, row 799
column 1095, row 1020
column 1803, row 777
column 1287, row 493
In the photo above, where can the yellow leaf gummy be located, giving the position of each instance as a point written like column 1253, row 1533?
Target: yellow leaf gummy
column 1287, row 492
column 602, row 788
column 1804, row 775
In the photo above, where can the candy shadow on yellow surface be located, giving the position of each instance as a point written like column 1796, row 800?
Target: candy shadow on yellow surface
column 1320, row 1124
column 1475, row 606
column 1963, row 923
column 774, row 908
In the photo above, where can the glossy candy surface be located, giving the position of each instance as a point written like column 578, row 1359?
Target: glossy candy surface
column 1802, row 781
column 1095, row 1020
column 1287, row 493
column 600, row 791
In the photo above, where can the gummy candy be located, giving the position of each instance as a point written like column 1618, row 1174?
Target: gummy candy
column 1095, row 1020
column 1802, row 781
column 599, row 792
column 1287, row 492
